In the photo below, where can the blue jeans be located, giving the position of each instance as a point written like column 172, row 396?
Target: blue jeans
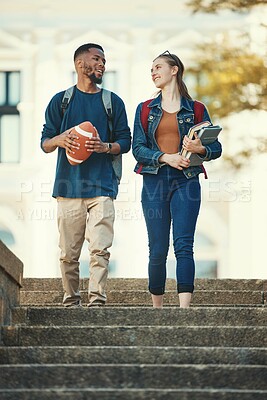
column 169, row 197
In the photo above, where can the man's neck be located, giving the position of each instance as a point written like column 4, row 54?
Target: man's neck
column 87, row 87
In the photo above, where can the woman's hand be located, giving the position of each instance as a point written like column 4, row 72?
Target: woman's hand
column 175, row 160
column 194, row 145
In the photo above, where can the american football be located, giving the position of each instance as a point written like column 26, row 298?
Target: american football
column 84, row 131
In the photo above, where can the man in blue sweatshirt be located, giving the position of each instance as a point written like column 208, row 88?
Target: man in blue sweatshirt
column 85, row 192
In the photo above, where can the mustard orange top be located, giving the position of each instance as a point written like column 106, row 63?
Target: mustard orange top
column 167, row 133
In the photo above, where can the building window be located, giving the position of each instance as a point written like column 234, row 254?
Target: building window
column 9, row 117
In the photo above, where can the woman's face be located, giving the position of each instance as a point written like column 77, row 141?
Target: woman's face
column 162, row 73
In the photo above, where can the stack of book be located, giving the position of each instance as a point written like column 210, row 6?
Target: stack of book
column 207, row 133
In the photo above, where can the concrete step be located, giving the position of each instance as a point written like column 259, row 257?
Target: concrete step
column 55, row 284
column 136, row 316
column 133, row 355
column 133, row 394
column 170, row 376
column 218, row 336
column 143, row 297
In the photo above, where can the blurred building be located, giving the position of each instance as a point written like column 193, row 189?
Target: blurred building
column 37, row 42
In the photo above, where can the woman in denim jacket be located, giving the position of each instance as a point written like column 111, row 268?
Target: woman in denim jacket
column 171, row 189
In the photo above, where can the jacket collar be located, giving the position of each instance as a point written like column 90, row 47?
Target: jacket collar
column 156, row 101
column 186, row 104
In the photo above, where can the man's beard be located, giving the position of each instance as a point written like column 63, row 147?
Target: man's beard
column 94, row 79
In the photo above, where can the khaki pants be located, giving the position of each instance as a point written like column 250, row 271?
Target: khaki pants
column 80, row 219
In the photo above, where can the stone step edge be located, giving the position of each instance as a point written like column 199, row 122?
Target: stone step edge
column 227, row 307
column 130, row 327
column 134, row 390
column 142, row 306
column 168, row 348
column 136, row 291
column 141, row 365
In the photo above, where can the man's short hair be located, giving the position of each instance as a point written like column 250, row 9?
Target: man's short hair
column 85, row 47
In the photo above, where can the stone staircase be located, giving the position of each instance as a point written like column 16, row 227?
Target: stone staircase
column 217, row 349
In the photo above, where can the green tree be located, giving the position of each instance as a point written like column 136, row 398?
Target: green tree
column 213, row 6
column 229, row 79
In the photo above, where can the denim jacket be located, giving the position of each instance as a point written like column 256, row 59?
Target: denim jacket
column 145, row 148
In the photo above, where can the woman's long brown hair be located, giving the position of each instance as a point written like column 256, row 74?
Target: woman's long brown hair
column 173, row 61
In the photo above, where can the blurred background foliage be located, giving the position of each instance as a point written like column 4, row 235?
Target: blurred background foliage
column 213, row 6
column 231, row 78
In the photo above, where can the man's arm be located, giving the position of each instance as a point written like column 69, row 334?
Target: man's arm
column 121, row 130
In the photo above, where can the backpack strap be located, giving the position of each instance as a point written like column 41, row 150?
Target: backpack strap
column 144, row 122
column 144, row 114
column 69, row 93
column 198, row 117
column 106, row 98
column 198, row 112
column 116, row 158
